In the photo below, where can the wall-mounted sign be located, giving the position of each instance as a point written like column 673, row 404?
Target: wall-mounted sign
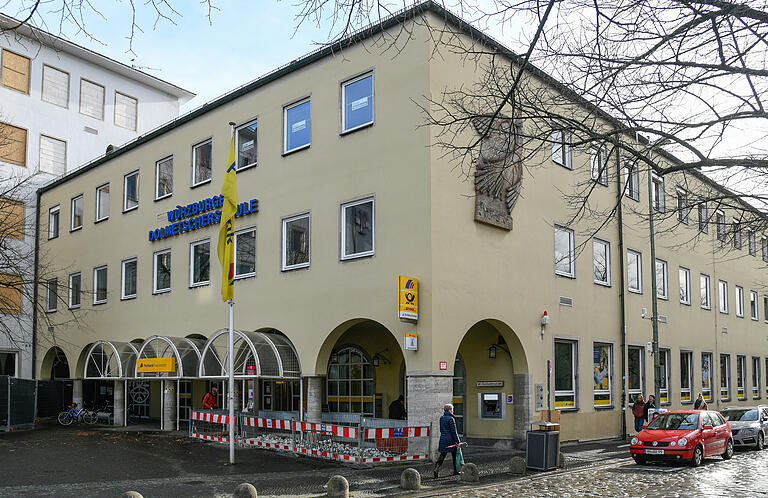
column 251, row 370
column 198, row 215
column 411, row 341
column 443, row 365
column 156, row 365
column 490, row 383
column 408, row 298
column 510, row 399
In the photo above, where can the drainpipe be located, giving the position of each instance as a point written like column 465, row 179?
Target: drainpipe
column 34, row 283
column 622, row 309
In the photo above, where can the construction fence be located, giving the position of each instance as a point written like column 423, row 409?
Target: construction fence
column 23, row 401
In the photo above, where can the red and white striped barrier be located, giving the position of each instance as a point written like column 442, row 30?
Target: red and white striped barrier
column 215, row 418
column 262, row 444
column 328, row 429
column 395, row 459
column 268, row 423
column 218, row 439
column 328, row 455
column 396, row 432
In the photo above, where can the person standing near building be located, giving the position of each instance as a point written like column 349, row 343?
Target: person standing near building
column 449, row 440
column 210, row 401
column 638, row 410
column 397, row 409
column 700, row 404
column 651, row 403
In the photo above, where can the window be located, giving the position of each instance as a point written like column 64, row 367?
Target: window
column 15, row 72
column 8, row 363
column 706, row 301
column 131, row 191
column 75, row 290
column 351, row 382
column 100, row 285
column 55, row 86
column 765, row 308
column 751, row 244
column 53, row 155
column 102, row 202
column 602, row 364
column 13, row 147
column 561, row 148
column 662, row 281
column 51, row 295
column 756, row 377
column 725, row 377
column 664, row 373
column 164, row 178
column 684, row 276
column 297, row 126
column 686, row 376
column 91, row 99
column 161, row 272
column 736, row 234
column 633, row 182
column 601, row 258
column 706, row 376
column 199, row 263
column 766, row 377
column 683, row 211
column 245, row 253
column 246, row 145
column 12, row 219
column 741, row 373
column 564, row 252
column 739, row 301
column 598, row 166
column 53, row 222
column 659, row 201
column 703, row 218
column 201, row 162
column 634, row 271
column 357, row 96
column 723, row 295
column 10, row 294
column 358, row 229
column 720, row 222
column 635, row 371
column 126, row 111
column 764, row 243
column 76, row 215
column 753, row 313
column 129, row 275
column 565, row 374
column 296, row 242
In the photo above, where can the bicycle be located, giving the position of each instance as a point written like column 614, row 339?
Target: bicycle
column 72, row 414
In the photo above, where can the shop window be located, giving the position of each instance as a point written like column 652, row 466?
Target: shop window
column 561, row 148
column 200, row 263
column 664, row 374
column 706, row 376
column 634, row 271
column 131, row 191
column 15, row 71
column 725, row 377
column 722, row 287
column 598, row 166
column 91, row 99
column 351, row 382
column 100, row 285
column 76, row 213
column 202, row 156
column 102, row 202
column 161, row 271
column 565, row 374
column 601, row 259
column 357, row 96
column 684, row 279
column 741, row 374
column 706, row 301
column 739, row 301
column 755, row 377
column 686, row 376
column 55, row 86
column 358, row 233
column 245, row 144
column 280, row 395
column 51, row 295
column 602, row 364
column 245, row 253
column 565, row 257
column 635, row 371
column 53, row 155
column 129, row 277
column 13, row 147
column 296, row 242
column 297, row 126
column 126, row 111
column 703, row 218
column 11, row 219
column 53, row 222
column 75, row 289
column 662, row 280
column 164, row 178
column 753, row 311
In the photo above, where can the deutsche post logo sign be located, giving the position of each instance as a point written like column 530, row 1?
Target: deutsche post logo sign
column 156, row 365
column 408, row 298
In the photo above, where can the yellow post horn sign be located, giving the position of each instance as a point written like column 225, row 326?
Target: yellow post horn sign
column 408, row 298
column 156, row 365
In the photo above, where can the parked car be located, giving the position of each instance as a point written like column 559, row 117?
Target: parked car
column 749, row 425
column 683, row 435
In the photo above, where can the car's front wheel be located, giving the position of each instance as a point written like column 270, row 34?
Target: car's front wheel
column 639, row 459
column 698, row 456
column 728, row 450
column 760, row 441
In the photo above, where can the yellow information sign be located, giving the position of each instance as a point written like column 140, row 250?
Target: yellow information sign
column 156, row 365
column 408, row 298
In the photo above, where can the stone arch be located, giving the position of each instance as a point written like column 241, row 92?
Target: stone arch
column 55, row 364
column 82, row 358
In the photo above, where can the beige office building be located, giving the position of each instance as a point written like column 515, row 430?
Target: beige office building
column 341, row 195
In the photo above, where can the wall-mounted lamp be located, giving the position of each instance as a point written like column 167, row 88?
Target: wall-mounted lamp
column 379, row 358
column 544, row 321
column 492, row 351
column 376, row 361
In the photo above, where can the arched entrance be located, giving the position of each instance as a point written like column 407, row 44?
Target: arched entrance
column 55, row 364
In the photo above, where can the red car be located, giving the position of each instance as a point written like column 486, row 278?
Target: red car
column 689, row 435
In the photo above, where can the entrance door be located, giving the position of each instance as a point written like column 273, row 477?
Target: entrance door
column 138, row 400
column 459, row 393
column 185, row 400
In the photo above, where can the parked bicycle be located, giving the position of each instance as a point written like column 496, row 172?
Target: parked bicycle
column 73, row 414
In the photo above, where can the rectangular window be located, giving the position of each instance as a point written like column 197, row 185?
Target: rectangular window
column 102, row 202
column 725, row 377
column 664, row 373
column 683, row 211
column 635, row 371
column 10, row 294
column 565, row 257
column 601, row 259
column 202, row 156
column 764, row 243
column 741, row 374
column 297, row 126
column 684, row 277
column 753, row 312
column 53, row 155
column 736, row 234
column 598, row 166
column 15, row 71
column 51, row 295
column 561, row 148
column 128, row 280
column 161, row 272
column 723, row 295
column 357, row 96
column 55, row 86
column 662, row 280
column 75, row 290
column 703, row 218
column 76, row 213
column 131, row 191
column 686, row 376
column 751, row 243
column 13, row 147
column 164, row 178
column 659, row 201
column 706, row 376
column 100, row 285
column 12, row 219
column 53, row 222
column 245, row 139
column 765, row 308
column 358, row 237
column 632, row 176
column 634, row 271
column 720, row 222
column 245, row 253
column 706, row 301
column 755, row 377
column 296, row 239
column 602, row 364
column 126, row 111
column 199, row 263
column 91, row 99
column 766, row 376
column 565, row 374
column 739, row 301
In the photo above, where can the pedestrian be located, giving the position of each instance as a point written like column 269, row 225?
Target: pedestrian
column 651, row 403
column 210, row 401
column 700, row 404
column 637, row 411
column 449, row 440
column 397, row 409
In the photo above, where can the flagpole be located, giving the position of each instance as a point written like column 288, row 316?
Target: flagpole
column 231, row 366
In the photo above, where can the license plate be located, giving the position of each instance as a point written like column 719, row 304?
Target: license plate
column 654, row 452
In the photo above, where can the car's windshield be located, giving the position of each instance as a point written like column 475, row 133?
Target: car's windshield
column 675, row 422
column 744, row 415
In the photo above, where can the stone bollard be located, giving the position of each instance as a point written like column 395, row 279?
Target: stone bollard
column 245, row 490
column 410, row 479
column 338, row 487
column 470, row 473
column 562, row 461
column 131, row 494
column 517, row 465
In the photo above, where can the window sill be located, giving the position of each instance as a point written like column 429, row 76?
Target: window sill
column 288, row 269
column 565, row 275
column 100, row 220
column 352, row 257
column 127, row 298
column 568, row 410
column 75, row 307
column 134, row 208
column 162, row 291
column 75, row 229
column 685, row 304
column 99, row 303
column 633, row 291
column 708, row 308
column 247, row 166
column 51, row 311
column 200, row 284
column 604, row 408
column 358, row 128
column 52, row 238
column 204, row 182
column 244, row 277
column 603, row 284
column 297, row 149
column 166, row 196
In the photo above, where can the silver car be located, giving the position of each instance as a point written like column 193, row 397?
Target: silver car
column 749, row 425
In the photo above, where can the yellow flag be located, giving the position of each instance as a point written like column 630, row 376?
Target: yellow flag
column 226, row 247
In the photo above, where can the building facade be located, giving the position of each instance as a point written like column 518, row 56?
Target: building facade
column 342, row 192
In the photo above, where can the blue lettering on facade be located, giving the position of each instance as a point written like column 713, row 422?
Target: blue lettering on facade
column 201, row 214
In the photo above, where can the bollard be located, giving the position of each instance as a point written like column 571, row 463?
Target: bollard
column 517, row 465
column 245, row 490
column 338, row 487
column 410, row 479
column 470, row 473
column 131, row 494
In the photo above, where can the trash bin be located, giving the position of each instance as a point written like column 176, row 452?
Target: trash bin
column 541, row 449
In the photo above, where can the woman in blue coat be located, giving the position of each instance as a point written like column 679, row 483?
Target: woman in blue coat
column 449, row 436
